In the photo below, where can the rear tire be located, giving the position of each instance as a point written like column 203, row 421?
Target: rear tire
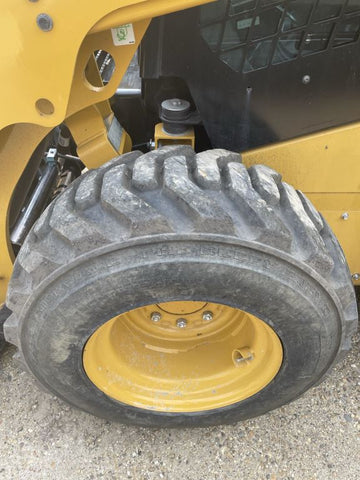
column 169, row 226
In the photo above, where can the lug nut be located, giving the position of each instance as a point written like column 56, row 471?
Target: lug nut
column 207, row 316
column 181, row 323
column 355, row 276
column 155, row 317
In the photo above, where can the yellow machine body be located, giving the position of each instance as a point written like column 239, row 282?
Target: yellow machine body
column 35, row 96
column 44, row 84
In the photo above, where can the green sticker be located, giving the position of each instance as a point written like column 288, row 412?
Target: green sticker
column 123, row 34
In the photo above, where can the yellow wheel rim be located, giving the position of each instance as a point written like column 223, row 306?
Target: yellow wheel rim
column 182, row 356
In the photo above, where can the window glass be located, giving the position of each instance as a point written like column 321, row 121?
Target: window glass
column 266, row 3
column 241, row 6
column 327, row 9
column 236, row 32
column 267, row 23
column 258, row 56
column 252, row 34
column 213, row 12
column 317, row 38
column 352, row 6
column 287, row 47
column 212, row 35
column 234, row 58
column 297, row 14
column 347, row 31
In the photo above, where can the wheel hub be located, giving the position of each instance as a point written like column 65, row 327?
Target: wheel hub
column 182, row 356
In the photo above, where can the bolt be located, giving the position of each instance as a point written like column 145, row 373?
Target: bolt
column 244, row 356
column 155, row 317
column 44, row 22
column 306, row 79
column 181, row 323
column 345, row 216
column 355, row 276
column 246, row 360
column 207, row 316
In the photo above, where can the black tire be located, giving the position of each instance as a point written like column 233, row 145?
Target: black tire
column 2, row 339
column 4, row 314
column 123, row 235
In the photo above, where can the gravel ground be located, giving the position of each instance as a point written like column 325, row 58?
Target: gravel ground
column 315, row 437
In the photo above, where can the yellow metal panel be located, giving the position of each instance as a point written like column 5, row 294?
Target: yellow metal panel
column 145, row 10
column 162, row 138
column 90, row 132
column 83, row 93
column 323, row 162
column 326, row 167
column 342, row 212
column 39, row 65
column 16, row 146
column 42, row 68
column 43, row 78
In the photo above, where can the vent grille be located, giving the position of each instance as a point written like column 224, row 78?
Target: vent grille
column 250, row 35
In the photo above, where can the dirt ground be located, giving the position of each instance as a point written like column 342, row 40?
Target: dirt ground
column 315, row 437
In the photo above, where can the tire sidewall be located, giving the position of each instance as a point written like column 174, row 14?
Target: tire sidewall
column 66, row 309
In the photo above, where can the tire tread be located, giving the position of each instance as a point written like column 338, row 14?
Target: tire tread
column 271, row 212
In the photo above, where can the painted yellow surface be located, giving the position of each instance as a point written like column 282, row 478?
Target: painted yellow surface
column 43, row 83
column 162, row 138
column 43, row 80
column 89, row 129
column 326, row 167
column 40, row 65
column 16, row 144
column 182, row 356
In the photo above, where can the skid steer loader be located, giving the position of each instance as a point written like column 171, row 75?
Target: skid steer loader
column 177, row 178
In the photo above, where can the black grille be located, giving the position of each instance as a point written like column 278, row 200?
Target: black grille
column 249, row 35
